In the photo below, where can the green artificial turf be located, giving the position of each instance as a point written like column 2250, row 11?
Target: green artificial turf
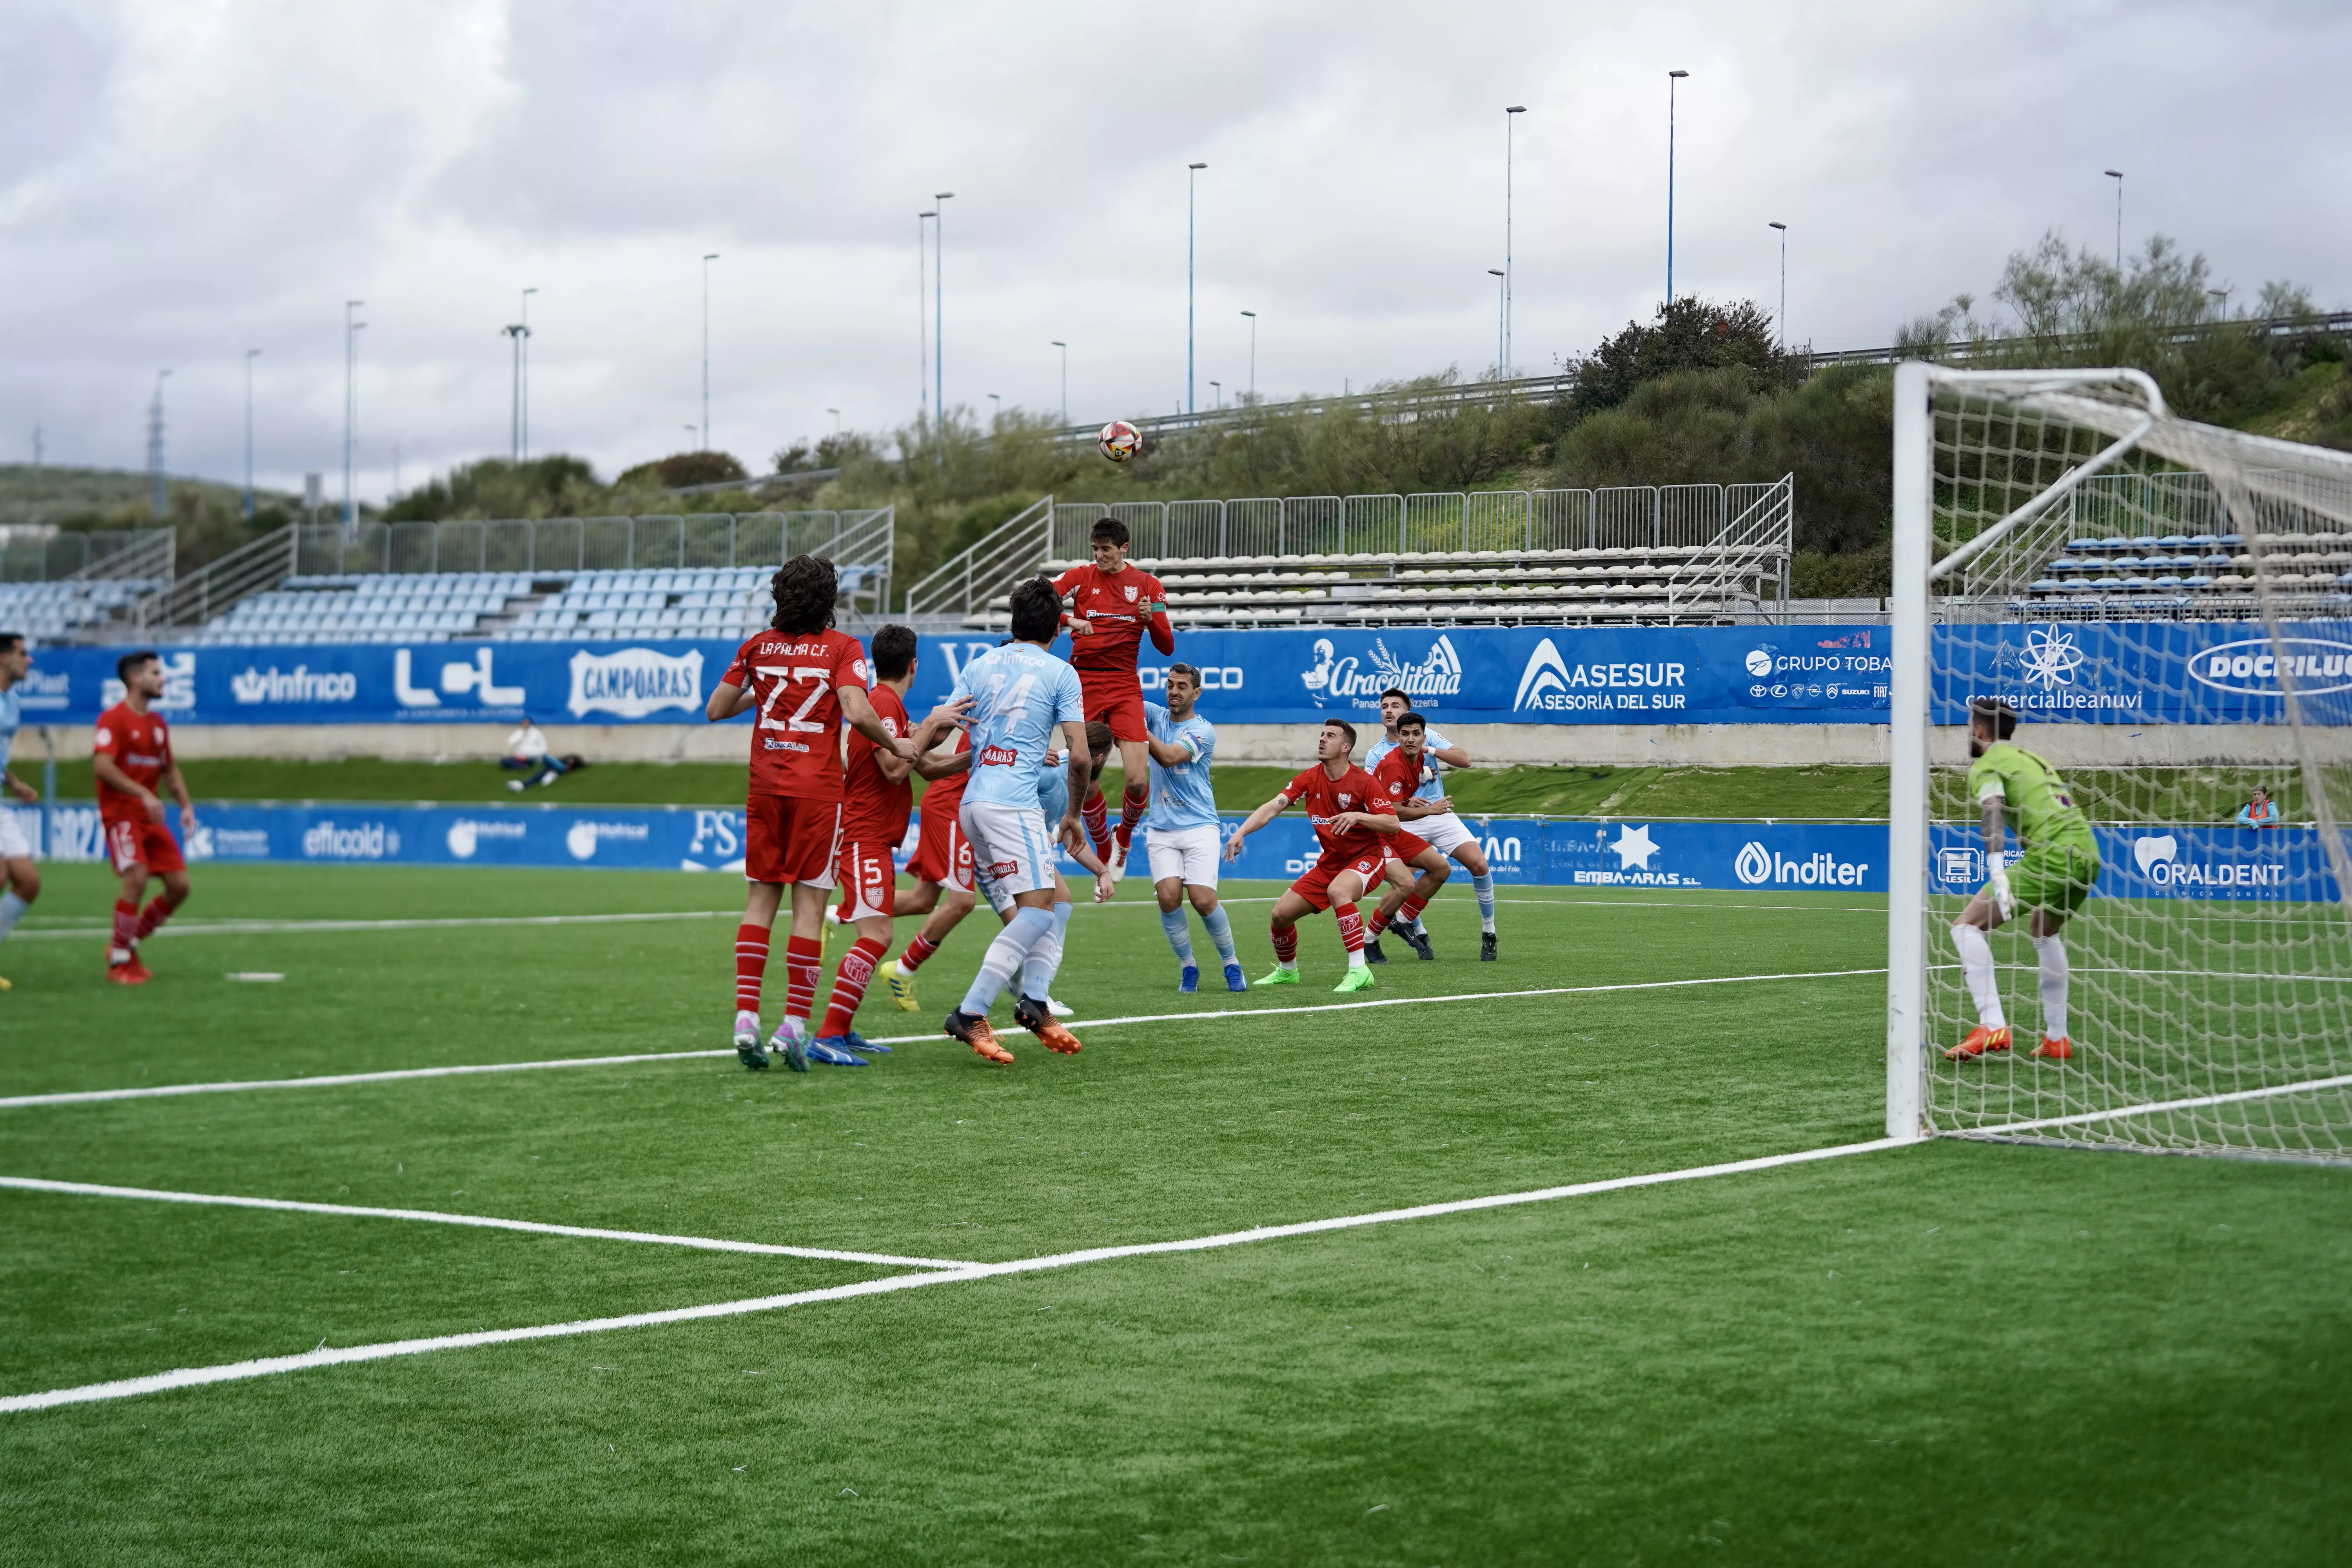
column 1946, row 1353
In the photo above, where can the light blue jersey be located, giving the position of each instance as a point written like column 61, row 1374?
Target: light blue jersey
column 1182, row 797
column 1022, row 696
column 1433, row 740
column 11, row 713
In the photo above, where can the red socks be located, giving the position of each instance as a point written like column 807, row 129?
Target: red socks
column 158, row 911
column 849, row 987
column 1352, row 927
column 126, row 931
column 1406, row 914
column 1285, row 944
column 917, row 952
column 1130, row 812
column 803, row 961
column 1096, row 816
column 751, row 964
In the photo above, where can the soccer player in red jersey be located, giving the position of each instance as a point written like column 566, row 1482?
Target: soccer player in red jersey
column 876, row 803
column 806, row 680
column 1112, row 604
column 943, row 890
column 1399, row 775
column 131, row 753
column 1345, row 806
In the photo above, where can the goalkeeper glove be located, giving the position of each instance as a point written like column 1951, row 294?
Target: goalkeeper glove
column 2002, row 896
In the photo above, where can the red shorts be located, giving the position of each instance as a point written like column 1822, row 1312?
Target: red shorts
column 943, row 854
column 1117, row 700
column 788, row 840
column 135, row 841
column 1403, row 845
column 868, row 881
column 1315, row 886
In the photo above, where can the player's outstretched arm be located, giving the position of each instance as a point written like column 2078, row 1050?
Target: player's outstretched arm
column 1163, row 634
column 727, row 701
column 1452, row 756
column 857, row 711
column 1256, row 820
column 936, row 765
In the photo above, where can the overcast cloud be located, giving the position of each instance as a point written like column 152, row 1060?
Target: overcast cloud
column 180, row 182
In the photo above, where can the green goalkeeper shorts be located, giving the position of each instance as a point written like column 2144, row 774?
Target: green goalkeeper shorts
column 2053, row 875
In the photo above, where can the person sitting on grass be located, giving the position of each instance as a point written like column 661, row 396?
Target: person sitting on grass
column 527, row 749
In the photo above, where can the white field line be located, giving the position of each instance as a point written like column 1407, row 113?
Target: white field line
column 1666, row 904
column 485, row 1222
column 190, row 1377
column 334, row 1080
column 2087, row 1117
column 297, row 928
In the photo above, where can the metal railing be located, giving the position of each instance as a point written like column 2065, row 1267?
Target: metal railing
column 47, row 554
column 863, row 543
column 1751, row 548
column 998, row 559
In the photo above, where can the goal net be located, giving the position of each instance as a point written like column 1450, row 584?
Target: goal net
column 2166, row 607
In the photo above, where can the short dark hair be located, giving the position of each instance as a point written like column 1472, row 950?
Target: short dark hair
column 1412, row 718
column 1398, row 691
column 1036, row 611
column 1994, row 711
column 11, row 641
column 805, row 589
column 1186, row 670
column 894, row 652
column 1109, row 529
column 1344, row 728
column 130, row 661
column 1099, row 743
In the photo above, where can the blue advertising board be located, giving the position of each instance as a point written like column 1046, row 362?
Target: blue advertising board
column 2135, row 673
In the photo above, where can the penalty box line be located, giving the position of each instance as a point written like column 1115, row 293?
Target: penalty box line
column 394, row 1074
column 485, row 1222
column 298, row 928
column 191, row 1377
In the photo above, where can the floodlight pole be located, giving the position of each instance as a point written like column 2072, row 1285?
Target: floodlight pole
column 836, row 422
column 351, row 326
column 922, row 315
column 1502, row 282
column 158, row 502
column 1781, row 320
column 515, row 332
column 1509, row 121
column 2117, row 176
column 522, row 439
column 1672, row 77
column 940, row 309
column 1253, row 322
column 1066, row 378
column 249, row 356
column 707, row 260
column 1219, row 388
column 1192, row 178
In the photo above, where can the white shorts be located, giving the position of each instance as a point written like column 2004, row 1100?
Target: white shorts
column 16, row 844
column 1445, row 832
column 1012, row 850
column 1188, row 853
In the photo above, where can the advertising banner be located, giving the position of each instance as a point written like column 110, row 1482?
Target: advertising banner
column 2279, row 865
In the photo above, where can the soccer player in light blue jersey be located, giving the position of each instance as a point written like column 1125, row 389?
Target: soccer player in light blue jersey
column 1020, row 697
column 1443, row 831
column 1181, row 838
column 20, row 881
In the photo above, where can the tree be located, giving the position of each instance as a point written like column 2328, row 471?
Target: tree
column 1689, row 333
column 680, row 469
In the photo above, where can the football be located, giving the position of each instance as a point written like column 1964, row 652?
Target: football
column 1119, row 441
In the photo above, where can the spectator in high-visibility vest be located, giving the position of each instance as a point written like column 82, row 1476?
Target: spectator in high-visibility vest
column 2261, row 811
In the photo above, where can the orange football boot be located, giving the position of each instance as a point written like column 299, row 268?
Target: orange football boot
column 1979, row 1041
column 130, row 973
column 1038, row 1019
column 2058, row 1050
column 977, row 1034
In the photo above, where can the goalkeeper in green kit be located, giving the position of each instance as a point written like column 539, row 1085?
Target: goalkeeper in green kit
column 2051, row 878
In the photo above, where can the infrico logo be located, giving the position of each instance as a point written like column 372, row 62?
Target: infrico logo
column 301, row 684
column 1759, row 867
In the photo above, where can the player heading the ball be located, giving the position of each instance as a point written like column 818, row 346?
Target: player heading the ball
column 1112, row 605
column 2052, row 879
column 1340, row 800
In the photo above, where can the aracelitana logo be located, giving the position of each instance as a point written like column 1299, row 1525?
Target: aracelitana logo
column 2314, row 666
column 582, row 837
column 329, row 840
column 466, row 834
column 1549, row 684
column 2158, row 857
column 636, row 682
column 1357, row 680
column 1759, row 867
column 299, row 684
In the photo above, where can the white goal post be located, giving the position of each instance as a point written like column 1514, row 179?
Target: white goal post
column 2164, row 609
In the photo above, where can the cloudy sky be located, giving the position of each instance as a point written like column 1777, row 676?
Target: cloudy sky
column 184, row 180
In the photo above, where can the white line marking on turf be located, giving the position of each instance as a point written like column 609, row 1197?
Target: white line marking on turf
column 2084, row 1119
column 486, row 1221
column 297, row 928
column 334, row 1080
column 190, row 1377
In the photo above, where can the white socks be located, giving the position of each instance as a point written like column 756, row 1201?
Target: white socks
column 2053, row 953
column 1976, row 963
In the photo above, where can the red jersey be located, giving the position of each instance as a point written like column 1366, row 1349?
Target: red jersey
column 944, row 797
column 140, row 746
column 796, row 737
column 1398, row 777
column 1121, row 605
column 873, row 810
column 1326, row 797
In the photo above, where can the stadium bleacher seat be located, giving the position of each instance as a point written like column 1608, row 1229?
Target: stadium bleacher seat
column 2193, row 576
column 542, row 606
column 74, row 609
